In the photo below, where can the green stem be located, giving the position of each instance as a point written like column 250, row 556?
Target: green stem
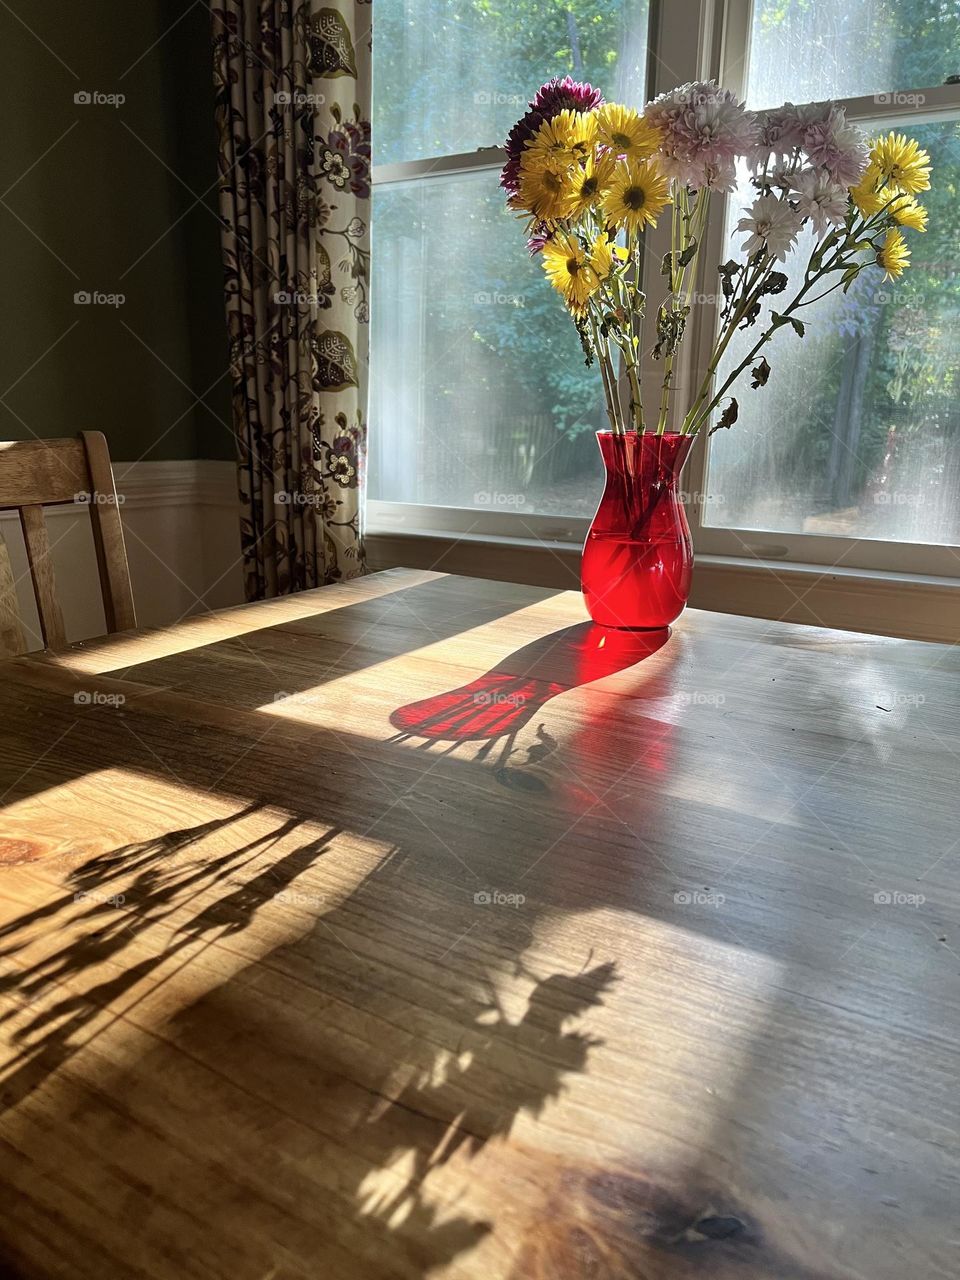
column 759, row 274
column 697, row 416
column 603, row 359
column 695, row 224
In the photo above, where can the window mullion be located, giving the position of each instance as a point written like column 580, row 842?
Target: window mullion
column 686, row 43
column 439, row 166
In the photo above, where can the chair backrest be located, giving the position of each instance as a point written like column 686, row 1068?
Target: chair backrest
column 40, row 473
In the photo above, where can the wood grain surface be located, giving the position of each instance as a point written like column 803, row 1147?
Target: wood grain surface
column 414, row 927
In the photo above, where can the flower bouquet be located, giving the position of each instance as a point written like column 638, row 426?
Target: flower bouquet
column 591, row 178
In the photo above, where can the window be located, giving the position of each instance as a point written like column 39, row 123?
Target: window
column 482, row 414
column 857, row 433
column 480, row 398
column 851, row 453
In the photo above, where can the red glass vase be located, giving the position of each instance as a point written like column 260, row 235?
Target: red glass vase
column 638, row 557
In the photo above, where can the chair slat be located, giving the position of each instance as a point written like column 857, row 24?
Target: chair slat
column 108, row 536
column 42, row 472
column 41, row 570
column 12, row 642
column 39, row 473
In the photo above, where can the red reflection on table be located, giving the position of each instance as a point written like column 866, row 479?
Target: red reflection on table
column 503, row 700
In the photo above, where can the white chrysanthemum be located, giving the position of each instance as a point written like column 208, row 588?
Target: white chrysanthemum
column 820, row 199
column 781, row 176
column 773, row 226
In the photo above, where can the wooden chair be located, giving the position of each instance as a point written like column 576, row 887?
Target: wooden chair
column 39, row 473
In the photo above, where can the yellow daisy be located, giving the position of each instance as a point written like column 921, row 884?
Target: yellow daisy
column 591, row 182
column 570, row 271
column 626, row 132
column 909, row 213
column 637, row 195
column 601, row 257
column 544, row 191
column 902, row 163
column 565, row 137
column 865, row 194
column 893, row 255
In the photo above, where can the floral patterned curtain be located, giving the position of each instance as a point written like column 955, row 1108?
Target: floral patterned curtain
column 293, row 106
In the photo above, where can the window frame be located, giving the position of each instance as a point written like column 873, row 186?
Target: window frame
column 686, row 40
column 870, row 554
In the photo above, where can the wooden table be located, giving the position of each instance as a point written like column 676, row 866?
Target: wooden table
column 413, row 927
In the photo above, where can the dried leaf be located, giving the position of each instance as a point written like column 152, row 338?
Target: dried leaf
column 729, row 416
column 686, row 257
column 760, row 373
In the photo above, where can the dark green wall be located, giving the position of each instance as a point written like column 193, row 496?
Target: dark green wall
column 108, row 208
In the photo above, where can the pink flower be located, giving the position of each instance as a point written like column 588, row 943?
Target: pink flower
column 832, row 143
column 705, row 128
column 780, row 132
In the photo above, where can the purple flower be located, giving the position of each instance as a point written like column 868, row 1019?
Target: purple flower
column 541, row 235
column 551, row 98
column 345, row 160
